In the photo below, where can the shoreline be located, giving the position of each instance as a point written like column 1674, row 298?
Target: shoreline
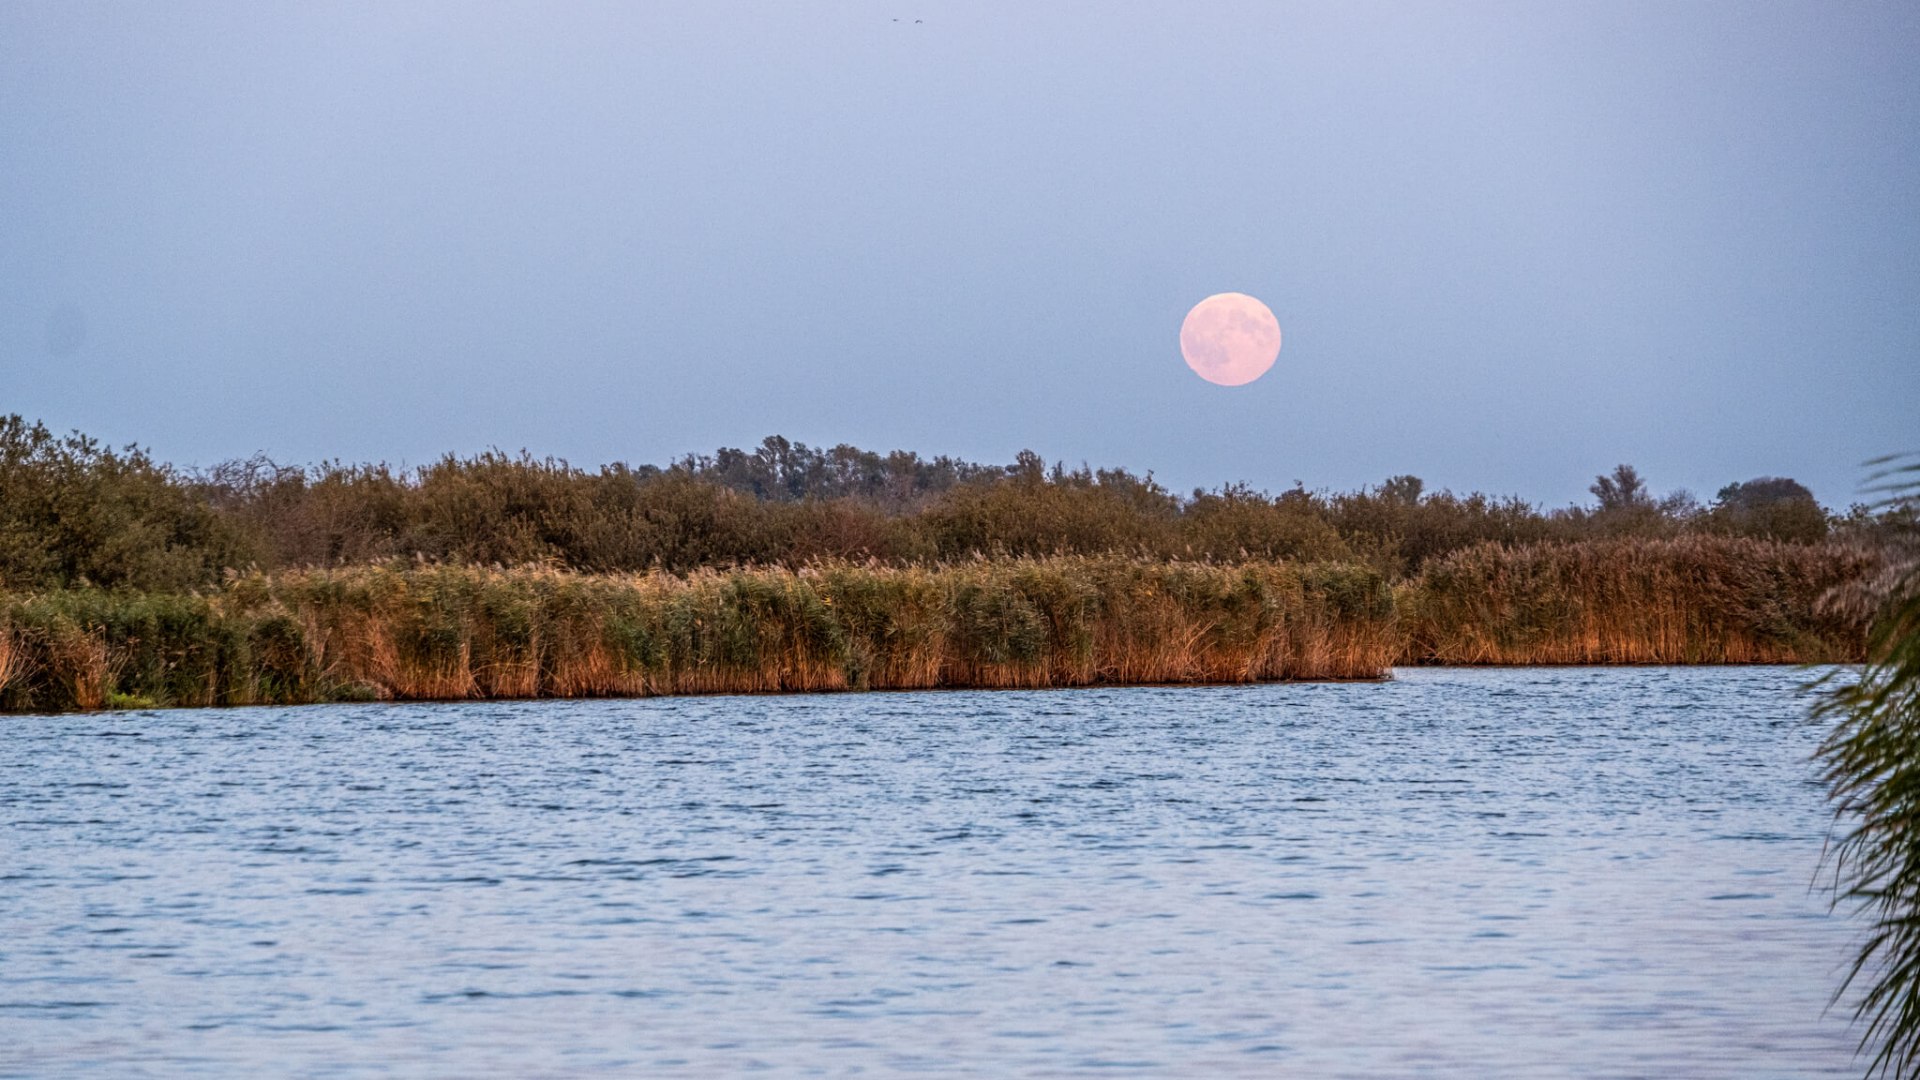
column 942, row 689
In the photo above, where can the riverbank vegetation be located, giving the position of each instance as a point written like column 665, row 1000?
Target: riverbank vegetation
column 1698, row 599
column 448, row 632
column 74, row 512
column 124, row 580
column 421, row 631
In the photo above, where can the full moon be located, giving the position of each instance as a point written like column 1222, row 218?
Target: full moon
column 1230, row 339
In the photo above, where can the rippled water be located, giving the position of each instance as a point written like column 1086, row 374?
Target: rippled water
column 1528, row 872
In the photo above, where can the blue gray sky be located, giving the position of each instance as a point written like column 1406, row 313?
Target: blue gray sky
column 1509, row 244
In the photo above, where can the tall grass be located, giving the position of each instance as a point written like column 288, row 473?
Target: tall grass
column 424, row 632
column 1687, row 600
column 11, row 661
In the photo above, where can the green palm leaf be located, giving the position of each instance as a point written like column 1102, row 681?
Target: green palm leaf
column 1872, row 762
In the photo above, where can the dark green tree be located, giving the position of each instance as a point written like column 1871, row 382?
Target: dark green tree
column 1773, row 507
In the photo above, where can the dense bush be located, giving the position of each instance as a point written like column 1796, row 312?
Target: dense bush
column 1770, row 506
column 74, row 513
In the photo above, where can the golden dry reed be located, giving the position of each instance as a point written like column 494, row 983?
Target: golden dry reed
column 424, row 632
column 450, row 633
column 10, row 659
column 1689, row 600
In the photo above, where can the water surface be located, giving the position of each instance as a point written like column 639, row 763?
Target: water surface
column 1521, row 872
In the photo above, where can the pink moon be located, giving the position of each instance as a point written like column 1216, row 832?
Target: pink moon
column 1230, row 339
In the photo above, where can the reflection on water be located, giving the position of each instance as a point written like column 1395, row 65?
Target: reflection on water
column 1463, row 872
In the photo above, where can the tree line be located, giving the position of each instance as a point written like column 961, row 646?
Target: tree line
column 74, row 511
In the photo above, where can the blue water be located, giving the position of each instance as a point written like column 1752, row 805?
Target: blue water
column 1527, row 873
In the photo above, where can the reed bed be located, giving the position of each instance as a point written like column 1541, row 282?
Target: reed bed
column 428, row 632
column 1688, row 600
column 451, row 633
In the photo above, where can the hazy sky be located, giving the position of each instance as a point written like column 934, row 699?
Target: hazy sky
column 1509, row 245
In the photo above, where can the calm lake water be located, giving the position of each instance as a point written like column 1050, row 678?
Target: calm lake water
column 1532, row 872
